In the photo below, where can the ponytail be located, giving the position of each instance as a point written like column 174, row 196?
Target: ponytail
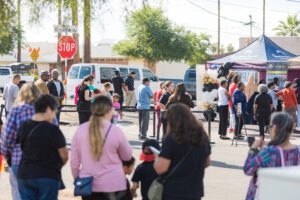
column 96, row 138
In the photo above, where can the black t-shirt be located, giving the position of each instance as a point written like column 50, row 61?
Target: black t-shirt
column 165, row 98
column 40, row 142
column 263, row 102
column 145, row 174
column 118, row 82
column 187, row 180
column 186, row 99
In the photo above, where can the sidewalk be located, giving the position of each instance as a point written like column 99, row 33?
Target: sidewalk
column 224, row 179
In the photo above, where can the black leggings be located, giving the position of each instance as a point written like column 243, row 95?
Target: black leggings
column 263, row 120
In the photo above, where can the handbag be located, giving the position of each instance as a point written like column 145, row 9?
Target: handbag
column 157, row 187
column 83, row 186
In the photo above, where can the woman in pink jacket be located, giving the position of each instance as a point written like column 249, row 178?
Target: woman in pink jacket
column 98, row 149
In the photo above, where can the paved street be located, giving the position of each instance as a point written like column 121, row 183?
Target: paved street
column 223, row 180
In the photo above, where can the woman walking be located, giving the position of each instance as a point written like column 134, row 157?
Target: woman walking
column 44, row 152
column 263, row 106
column 22, row 111
column 185, row 155
column 180, row 96
column 232, row 87
column 85, row 97
column 279, row 152
column 157, row 96
column 98, row 149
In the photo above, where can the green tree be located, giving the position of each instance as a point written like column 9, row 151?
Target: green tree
column 8, row 30
column 290, row 27
column 153, row 37
column 214, row 48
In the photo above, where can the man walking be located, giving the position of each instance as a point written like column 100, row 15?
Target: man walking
column 129, row 88
column 10, row 93
column 56, row 89
column 239, row 109
column 119, row 85
column 42, row 82
column 223, row 102
column 145, row 94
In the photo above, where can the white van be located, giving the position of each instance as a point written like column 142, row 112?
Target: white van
column 104, row 73
column 5, row 76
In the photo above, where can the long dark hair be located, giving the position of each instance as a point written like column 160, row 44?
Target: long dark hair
column 180, row 91
column 296, row 82
column 284, row 126
column 183, row 126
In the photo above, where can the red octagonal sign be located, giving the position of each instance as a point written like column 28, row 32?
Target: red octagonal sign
column 66, row 46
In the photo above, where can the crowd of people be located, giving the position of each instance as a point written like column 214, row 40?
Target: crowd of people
column 254, row 103
column 101, row 156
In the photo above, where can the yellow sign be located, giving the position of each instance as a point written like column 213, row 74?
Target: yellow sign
column 34, row 54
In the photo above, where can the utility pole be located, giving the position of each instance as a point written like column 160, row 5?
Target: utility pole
column 250, row 24
column 219, row 27
column 264, row 16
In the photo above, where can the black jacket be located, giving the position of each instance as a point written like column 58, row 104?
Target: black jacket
column 53, row 90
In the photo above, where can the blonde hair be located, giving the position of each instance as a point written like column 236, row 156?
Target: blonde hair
column 27, row 94
column 100, row 107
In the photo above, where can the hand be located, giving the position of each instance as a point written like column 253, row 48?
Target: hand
column 258, row 144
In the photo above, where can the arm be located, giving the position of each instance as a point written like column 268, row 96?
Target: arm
column 228, row 95
column 9, row 135
column 161, row 165
column 279, row 93
column 75, row 155
column 62, row 92
column 294, row 99
column 255, row 161
column 87, row 95
column 124, row 149
column 134, row 187
column 64, row 155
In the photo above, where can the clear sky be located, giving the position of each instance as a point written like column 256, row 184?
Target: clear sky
column 110, row 25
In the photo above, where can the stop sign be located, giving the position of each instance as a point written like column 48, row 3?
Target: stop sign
column 66, row 46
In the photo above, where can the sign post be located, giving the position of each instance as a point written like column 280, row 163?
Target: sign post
column 66, row 48
column 34, row 54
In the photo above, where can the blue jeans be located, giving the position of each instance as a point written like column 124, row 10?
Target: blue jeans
column 14, row 181
column 39, row 189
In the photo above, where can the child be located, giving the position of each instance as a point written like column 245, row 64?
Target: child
column 128, row 167
column 107, row 89
column 116, row 105
column 145, row 173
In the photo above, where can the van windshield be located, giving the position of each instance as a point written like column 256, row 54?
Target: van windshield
column 73, row 73
column 148, row 74
column 85, row 71
column 106, row 74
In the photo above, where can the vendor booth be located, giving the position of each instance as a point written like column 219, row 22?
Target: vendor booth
column 262, row 58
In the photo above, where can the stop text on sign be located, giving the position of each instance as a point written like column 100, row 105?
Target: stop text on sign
column 66, row 46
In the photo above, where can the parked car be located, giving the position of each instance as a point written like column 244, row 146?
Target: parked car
column 104, row 73
column 190, row 82
column 7, row 72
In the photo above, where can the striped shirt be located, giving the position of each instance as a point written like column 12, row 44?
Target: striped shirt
column 267, row 157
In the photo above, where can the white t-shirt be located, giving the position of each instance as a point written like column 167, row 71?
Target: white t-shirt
column 223, row 99
column 10, row 93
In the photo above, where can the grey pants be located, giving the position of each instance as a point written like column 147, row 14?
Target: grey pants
column 144, row 116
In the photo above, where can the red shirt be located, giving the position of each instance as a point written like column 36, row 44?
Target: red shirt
column 289, row 97
column 232, row 88
column 157, row 96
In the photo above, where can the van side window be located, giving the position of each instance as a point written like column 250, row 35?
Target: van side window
column 106, row 74
column 4, row 72
column 84, row 71
column 73, row 73
column 148, row 74
column 137, row 73
column 124, row 72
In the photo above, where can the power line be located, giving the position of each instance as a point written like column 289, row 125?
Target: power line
column 212, row 13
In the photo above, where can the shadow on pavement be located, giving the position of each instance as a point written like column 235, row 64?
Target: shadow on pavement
column 225, row 165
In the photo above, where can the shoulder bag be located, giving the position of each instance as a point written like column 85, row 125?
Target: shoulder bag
column 157, row 187
column 83, row 186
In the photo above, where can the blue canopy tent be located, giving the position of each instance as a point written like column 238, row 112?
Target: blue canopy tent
column 262, row 55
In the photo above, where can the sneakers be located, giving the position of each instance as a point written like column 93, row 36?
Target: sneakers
column 142, row 137
column 223, row 137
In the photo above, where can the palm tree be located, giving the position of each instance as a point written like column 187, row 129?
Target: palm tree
column 290, row 27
